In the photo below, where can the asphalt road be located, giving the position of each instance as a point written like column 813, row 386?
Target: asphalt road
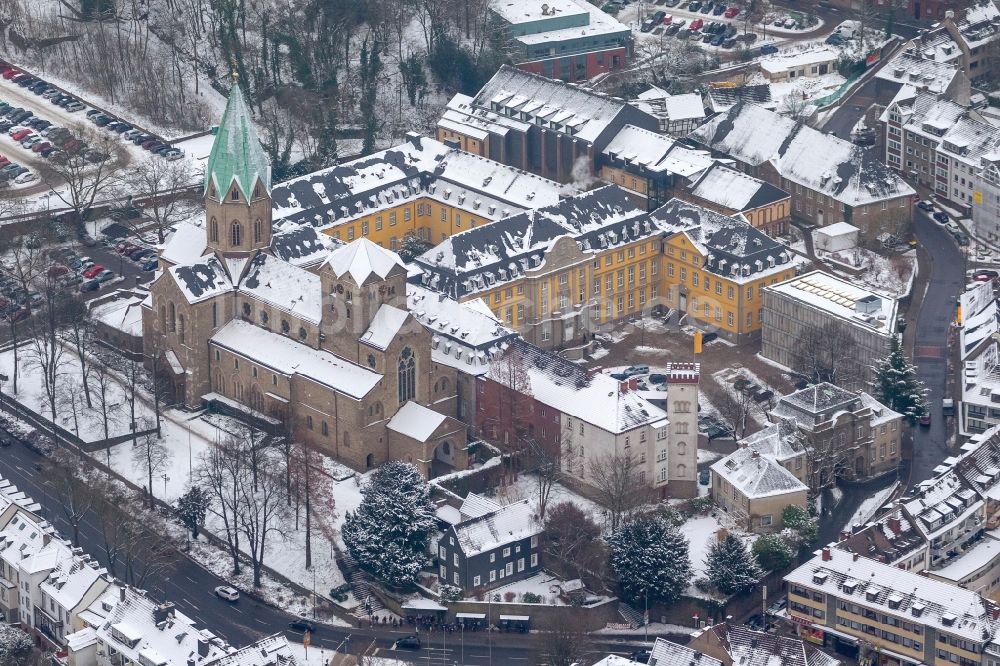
column 930, row 349
column 848, row 114
column 190, row 587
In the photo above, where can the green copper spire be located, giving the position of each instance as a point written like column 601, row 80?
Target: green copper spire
column 236, row 152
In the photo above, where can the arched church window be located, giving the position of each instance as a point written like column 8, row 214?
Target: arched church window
column 235, row 195
column 172, row 318
column 237, row 234
column 407, row 376
column 247, row 309
column 256, row 230
column 213, row 230
column 302, row 333
column 284, row 326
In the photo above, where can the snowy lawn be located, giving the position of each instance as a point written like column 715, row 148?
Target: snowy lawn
column 701, row 532
column 890, row 275
column 541, row 584
column 526, row 487
column 88, row 424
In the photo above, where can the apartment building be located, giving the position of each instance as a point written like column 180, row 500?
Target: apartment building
column 829, row 179
column 570, row 40
column 754, row 489
column 980, row 356
column 886, row 615
column 819, row 301
column 941, row 144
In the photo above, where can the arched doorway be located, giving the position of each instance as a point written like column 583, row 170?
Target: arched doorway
column 370, row 460
column 443, row 459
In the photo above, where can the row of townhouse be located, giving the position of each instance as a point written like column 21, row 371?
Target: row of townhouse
column 979, row 353
column 947, row 527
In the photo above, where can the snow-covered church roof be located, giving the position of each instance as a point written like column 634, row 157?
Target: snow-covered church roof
column 361, row 259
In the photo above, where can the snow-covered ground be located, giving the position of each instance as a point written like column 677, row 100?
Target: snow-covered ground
column 890, row 275
column 526, row 487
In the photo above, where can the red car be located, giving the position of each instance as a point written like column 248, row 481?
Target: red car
column 10, row 73
column 40, row 146
column 18, row 136
column 696, row 25
column 92, row 272
column 668, row 19
column 732, row 12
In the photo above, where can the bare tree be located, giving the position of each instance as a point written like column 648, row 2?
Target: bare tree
column 73, row 489
column 828, row 353
column 78, row 182
column 79, row 332
column 313, row 492
column 22, row 260
column 735, row 407
column 150, row 455
column 223, row 474
column 264, row 507
column 164, row 189
column 514, row 408
column 572, row 541
column 564, row 640
column 617, row 486
column 107, row 407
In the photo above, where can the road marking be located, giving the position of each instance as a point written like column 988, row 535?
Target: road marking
column 188, row 602
column 237, row 610
column 192, row 580
column 259, row 621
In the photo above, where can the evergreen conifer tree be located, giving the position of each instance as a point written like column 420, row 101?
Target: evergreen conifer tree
column 730, row 567
column 388, row 533
column 896, row 385
column 650, row 557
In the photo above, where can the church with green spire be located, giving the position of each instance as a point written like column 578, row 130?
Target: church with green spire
column 326, row 349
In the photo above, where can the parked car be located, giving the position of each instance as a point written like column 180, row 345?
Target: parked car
column 641, row 656
column 140, row 253
column 90, row 285
column 704, row 476
column 26, row 177
column 93, row 271
column 151, row 265
column 732, row 12
column 408, row 642
column 228, row 593
column 104, row 276
column 696, row 24
column 925, row 419
column 925, row 205
column 768, row 49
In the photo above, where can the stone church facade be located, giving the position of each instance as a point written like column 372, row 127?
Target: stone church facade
column 326, row 350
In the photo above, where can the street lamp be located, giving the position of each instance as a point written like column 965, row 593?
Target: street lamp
column 165, row 479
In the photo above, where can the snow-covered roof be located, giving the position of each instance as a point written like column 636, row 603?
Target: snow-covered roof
column 722, row 97
column 529, row 11
column 385, row 326
column 980, row 316
column 489, row 531
column 474, row 506
column 831, row 294
column 668, row 653
column 880, row 413
column 133, row 627
column 303, row 246
column 837, row 229
column 779, row 441
column 185, row 245
column 511, row 91
column 941, row 503
column 657, row 153
column 284, row 355
column 824, row 163
column 361, row 259
column 481, row 258
column 74, row 576
column 734, row 189
column 201, row 280
column 910, row 69
column 82, row 639
column 747, row 647
column 730, row 246
column 416, row 421
column 269, row 651
column 757, row 476
column 658, row 102
column 980, row 24
column 945, row 607
column 815, row 402
column 971, row 561
column 420, row 167
column 785, row 60
column 285, row 286
column 599, row 24
column 124, row 313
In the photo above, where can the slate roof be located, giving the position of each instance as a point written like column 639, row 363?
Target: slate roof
column 236, row 152
column 817, row 398
column 492, row 254
column 303, row 245
column 723, row 98
column 186, row 245
column 584, row 113
column 656, row 152
column 732, row 247
column 202, row 280
column 268, row 651
column 495, row 529
column 780, row 441
column 821, row 162
column 747, row 647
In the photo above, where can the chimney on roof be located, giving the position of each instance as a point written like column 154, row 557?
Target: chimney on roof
column 856, row 556
column 826, row 555
column 121, row 593
column 995, row 613
column 623, row 387
column 163, row 611
column 633, row 383
column 46, row 539
column 895, row 525
column 202, row 647
column 844, row 535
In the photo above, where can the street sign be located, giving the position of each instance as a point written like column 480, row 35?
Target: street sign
column 306, row 639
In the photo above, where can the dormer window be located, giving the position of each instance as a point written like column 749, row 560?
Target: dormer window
column 256, row 190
